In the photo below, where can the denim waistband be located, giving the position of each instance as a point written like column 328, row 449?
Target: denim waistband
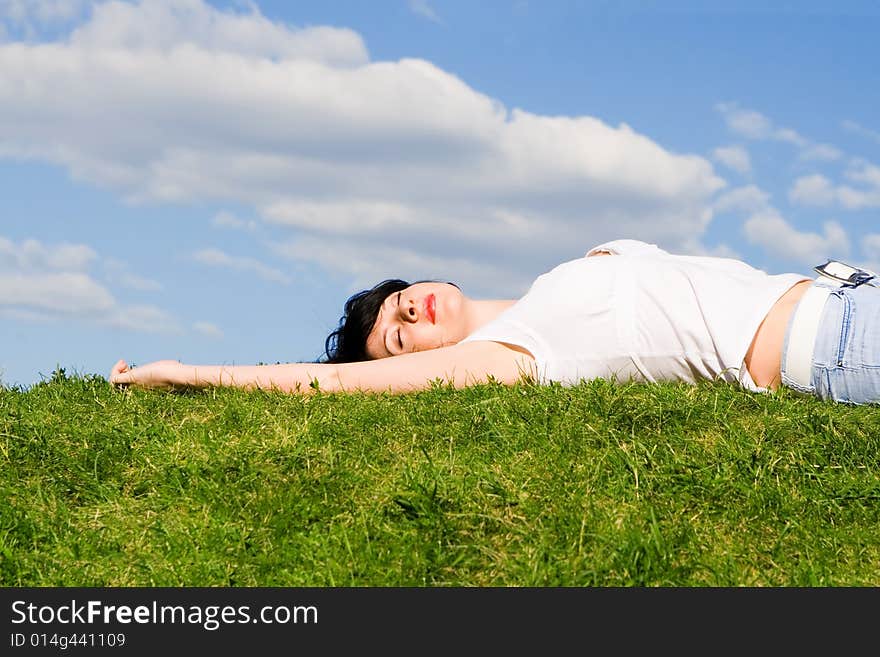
column 845, row 359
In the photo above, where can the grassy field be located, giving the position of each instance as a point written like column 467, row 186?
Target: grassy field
column 595, row 485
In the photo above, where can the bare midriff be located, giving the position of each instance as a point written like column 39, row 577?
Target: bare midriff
column 764, row 357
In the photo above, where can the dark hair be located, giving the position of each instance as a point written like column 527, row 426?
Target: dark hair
column 348, row 341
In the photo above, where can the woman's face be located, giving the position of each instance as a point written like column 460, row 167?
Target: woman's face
column 423, row 316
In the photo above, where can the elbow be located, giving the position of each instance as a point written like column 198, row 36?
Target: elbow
column 325, row 379
column 301, row 378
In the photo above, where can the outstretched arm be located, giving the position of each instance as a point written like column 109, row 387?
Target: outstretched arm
column 461, row 365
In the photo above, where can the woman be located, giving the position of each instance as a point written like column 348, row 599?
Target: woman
column 638, row 313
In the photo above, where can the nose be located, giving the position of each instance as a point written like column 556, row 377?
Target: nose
column 408, row 311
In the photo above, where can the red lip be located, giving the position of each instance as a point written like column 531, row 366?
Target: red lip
column 430, row 308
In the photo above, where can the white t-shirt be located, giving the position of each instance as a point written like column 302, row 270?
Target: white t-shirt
column 643, row 315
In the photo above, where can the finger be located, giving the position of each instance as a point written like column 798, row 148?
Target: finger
column 120, row 373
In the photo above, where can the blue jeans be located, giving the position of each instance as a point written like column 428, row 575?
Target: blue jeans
column 846, row 357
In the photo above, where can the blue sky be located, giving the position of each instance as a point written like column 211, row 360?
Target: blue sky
column 209, row 181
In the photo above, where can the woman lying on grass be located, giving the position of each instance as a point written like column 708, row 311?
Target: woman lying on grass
column 641, row 314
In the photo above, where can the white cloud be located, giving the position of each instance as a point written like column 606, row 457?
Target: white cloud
column 778, row 237
column 743, row 199
column 717, row 251
column 734, row 157
column 118, row 272
column 58, row 292
column 871, row 251
column 224, row 219
column 747, row 123
column 26, row 315
column 853, row 126
column 790, row 136
column 765, row 227
column 144, row 318
column 50, row 278
column 45, row 11
column 31, row 16
column 157, row 26
column 812, row 190
column 208, row 330
column 865, row 172
column 423, row 9
column 367, row 266
column 754, row 125
column 217, row 258
column 342, row 216
column 871, row 246
column 825, row 152
column 32, row 254
column 177, row 101
column 858, row 199
column 819, row 190
column 51, row 282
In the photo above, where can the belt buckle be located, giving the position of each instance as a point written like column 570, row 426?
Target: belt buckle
column 843, row 274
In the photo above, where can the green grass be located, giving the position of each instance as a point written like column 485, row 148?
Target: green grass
column 595, row 485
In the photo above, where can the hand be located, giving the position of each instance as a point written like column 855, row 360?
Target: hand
column 159, row 374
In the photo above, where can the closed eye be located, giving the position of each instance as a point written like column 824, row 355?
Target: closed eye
column 399, row 337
